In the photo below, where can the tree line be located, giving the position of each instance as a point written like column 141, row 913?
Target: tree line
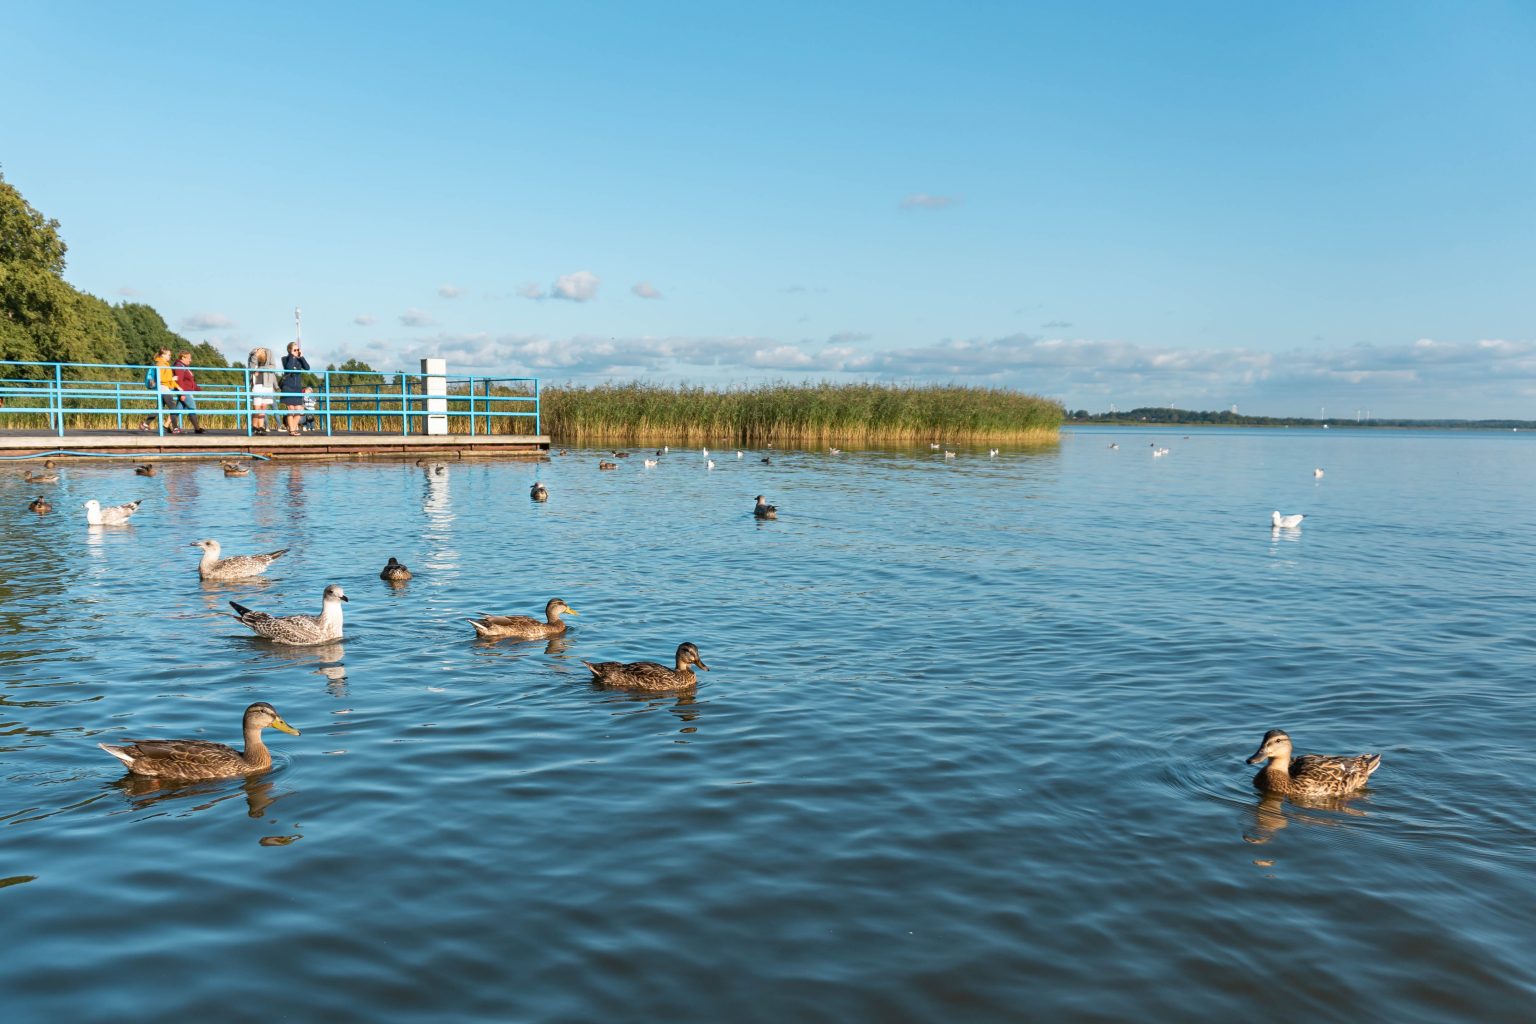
column 1170, row 416
column 45, row 319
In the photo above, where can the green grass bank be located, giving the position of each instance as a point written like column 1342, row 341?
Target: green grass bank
column 853, row 414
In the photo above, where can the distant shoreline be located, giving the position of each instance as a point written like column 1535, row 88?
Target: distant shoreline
column 1186, row 419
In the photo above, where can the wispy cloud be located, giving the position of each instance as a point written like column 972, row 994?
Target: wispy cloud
column 365, row 319
column 206, row 322
column 925, row 201
column 1424, row 378
column 417, row 318
column 645, row 291
column 1055, row 325
column 578, row 287
column 532, row 291
column 449, row 291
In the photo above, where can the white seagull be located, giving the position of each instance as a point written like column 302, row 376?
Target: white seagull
column 112, row 515
column 1318, row 473
column 1280, row 522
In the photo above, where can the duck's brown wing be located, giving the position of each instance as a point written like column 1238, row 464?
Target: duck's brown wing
column 184, row 759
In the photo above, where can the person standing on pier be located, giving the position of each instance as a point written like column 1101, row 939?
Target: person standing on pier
column 263, row 384
column 186, row 383
column 292, row 385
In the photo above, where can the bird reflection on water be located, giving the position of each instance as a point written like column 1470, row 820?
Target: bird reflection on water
column 146, row 794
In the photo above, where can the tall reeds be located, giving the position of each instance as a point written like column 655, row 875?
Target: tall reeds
column 797, row 413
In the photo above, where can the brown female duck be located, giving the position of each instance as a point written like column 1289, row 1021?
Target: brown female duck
column 524, row 627
column 1310, row 775
column 199, row 759
column 648, row 675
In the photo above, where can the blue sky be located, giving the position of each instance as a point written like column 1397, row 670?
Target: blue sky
column 1279, row 206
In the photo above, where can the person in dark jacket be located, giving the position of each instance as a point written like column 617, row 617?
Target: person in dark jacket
column 292, row 385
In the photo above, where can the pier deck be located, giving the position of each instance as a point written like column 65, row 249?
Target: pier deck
column 16, row 444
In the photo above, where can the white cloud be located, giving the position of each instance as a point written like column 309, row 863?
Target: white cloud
column 448, row 291
column 532, row 291
column 645, row 291
column 417, row 318
column 1055, row 325
column 578, row 287
column 206, row 322
column 924, row 201
column 365, row 319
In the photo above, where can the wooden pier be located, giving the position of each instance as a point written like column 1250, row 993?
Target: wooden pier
column 213, row 444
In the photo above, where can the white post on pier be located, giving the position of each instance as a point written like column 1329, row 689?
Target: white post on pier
column 437, row 395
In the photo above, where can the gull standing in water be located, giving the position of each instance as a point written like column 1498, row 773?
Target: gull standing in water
column 298, row 630
column 112, row 515
column 235, row 567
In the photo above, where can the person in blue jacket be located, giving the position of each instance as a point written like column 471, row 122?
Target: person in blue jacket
column 292, row 385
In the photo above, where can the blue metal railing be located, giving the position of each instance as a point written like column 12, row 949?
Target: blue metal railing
column 57, row 391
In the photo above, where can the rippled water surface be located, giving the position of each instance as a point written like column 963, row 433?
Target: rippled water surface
column 971, row 746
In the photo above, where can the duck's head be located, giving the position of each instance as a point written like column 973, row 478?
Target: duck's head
column 334, row 592
column 1276, row 744
column 261, row 715
column 394, row 563
column 687, row 654
column 556, row 608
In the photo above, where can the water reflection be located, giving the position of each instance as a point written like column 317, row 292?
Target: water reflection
column 322, row 659
column 686, row 707
column 143, row 794
column 1274, row 812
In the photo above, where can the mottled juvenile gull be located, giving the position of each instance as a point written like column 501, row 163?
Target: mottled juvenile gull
column 298, row 630
column 765, row 510
column 112, row 515
column 235, row 567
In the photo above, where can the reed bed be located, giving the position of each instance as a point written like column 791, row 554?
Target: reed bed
column 781, row 413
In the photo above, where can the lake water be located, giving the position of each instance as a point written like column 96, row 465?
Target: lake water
column 971, row 747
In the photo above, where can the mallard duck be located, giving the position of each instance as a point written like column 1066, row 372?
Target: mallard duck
column 298, row 630
column 765, row 510
column 523, row 627
column 147, row 469
column 234, row 469
column 607, row 465
column 538, row 492
column 235, row 567
column 41, row 505
column 1280, row 522
column 1310, row 775
column 199, row 759
column 648, row 675
column 41, row 478
column 112, row 515
column 394, row 572
column 621, row 455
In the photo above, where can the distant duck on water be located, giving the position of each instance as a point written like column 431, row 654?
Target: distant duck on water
column 538, row 492
column 40, row 505
column 394, row 572
column 147, row 469
column 524, row 627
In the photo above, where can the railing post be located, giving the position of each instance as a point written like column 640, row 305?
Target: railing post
column 405, row 394
column 58, row 388
column 471, row 407
column 538, row 419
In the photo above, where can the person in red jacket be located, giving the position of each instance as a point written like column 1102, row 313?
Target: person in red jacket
column 186, row 383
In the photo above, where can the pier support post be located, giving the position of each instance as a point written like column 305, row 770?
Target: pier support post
column 437, row 395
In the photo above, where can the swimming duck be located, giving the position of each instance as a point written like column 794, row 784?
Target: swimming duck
column 1317, row 473
column 538, row 492
column 234, row 469
column 235, row 567
column 607, row 465
column 41, row 478
column 1310, row 775
column 112, row 515
column 1280, row 522
column 524, row 627
column 298, row 630
column 766, row 460
column 199, row 759
column 648, row 675
column 147, row 469
column 765, row 510
column 394, row 572
column 621, row 455
column 41, row 505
